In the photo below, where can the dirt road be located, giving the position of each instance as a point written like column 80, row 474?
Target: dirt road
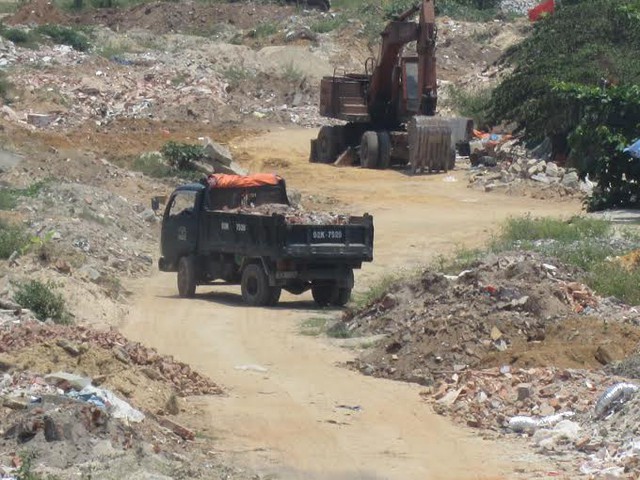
column 285, row 411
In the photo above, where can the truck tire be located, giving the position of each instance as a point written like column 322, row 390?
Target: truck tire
column 187, row 277
column 322, row 294
column 369, row 151
column 325, row 145
column 275, row 296
column 341, row 296
column 255, row 287
column 384, row 149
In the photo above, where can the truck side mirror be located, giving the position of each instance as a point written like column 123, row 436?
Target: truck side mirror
column 155, row 204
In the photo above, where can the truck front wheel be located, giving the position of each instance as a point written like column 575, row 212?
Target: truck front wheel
column 255, row 287
column 186, row 277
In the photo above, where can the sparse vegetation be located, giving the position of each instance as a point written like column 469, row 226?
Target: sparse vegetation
column 328, row 24
column 585, row 243
column 264, row 29
column 236, row 75
column 376, row 290
column 473, row 104
column 314, row 326
column 292, row 74
column 182, row 156
column 42, row 299
column 13, row 238
column 65, row 36
column 9, row 196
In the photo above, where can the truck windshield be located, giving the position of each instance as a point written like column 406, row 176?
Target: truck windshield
column 223, row 198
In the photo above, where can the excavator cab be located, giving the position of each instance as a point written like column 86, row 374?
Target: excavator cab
column 410, row 104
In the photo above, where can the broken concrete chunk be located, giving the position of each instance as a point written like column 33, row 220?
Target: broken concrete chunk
column 216, row 152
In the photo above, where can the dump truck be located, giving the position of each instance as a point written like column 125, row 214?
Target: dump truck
column 390, row 109
column 242, row 230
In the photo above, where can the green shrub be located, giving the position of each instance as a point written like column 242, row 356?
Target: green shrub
column 264, row 29
column 16, row 35
column 42, row 300
column 472, row 104
column 65, row 36
column 13, row 238
column 566, row 231
column 182, row 156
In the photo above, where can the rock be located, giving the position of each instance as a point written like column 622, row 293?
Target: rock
column 301, row 33
column 90, row 273
column 604, row 355
column 541, row 177
column 496, row 334
column 389, row 301
column 62, row 266
column 217, row 153
column 524, row 391
column 571, row 180
column 546, row 409
column 552, row 170
column 149, row 216
column 68, row 347
column 41, row 119
column 515, row 168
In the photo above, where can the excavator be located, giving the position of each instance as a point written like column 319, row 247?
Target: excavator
column 390, row 110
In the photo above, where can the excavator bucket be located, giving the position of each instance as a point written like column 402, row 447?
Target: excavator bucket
column 430, row 145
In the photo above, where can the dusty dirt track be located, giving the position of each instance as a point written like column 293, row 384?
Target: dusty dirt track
column 287, row 419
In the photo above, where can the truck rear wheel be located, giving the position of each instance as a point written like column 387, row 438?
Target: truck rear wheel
column 322, row 294
column 326, row 145
column 341, row 297
column 369, row 151
column 255, row 287
column 186, row 277
column 331, row 295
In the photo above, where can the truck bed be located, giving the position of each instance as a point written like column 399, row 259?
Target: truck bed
column 271, row 236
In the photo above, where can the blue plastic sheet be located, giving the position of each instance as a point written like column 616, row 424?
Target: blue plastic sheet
column 633, row 149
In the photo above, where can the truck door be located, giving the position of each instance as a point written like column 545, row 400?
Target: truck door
column 180, row 226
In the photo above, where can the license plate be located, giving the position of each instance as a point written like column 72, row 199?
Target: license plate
column 327, row 235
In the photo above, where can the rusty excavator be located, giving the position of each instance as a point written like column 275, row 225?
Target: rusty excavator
column 390, row 110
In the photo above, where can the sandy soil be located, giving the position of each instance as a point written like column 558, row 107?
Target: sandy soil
column 283, row 411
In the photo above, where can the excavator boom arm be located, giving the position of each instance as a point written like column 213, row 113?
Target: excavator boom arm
column 395, row 36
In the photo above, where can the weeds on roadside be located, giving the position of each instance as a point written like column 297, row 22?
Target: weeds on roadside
column 328, row 24
column 13, row 238
column 376, row 290
column 264, row 29
column 472, row 104
column 42, row 299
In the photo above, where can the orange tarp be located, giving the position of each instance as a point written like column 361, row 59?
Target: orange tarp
column 223, row 180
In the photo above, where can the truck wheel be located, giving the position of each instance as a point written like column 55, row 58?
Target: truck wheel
column 325, row 145
column 186, row 277
column 255, row 287
column 369, row 151
column 322, row 294
column 384, row 148
column 341, row 297
column 274, row 298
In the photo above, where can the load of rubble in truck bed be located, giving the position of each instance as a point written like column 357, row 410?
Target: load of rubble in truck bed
column 294, row 215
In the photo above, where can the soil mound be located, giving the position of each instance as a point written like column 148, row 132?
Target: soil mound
column 38, row 12
column 515, row 309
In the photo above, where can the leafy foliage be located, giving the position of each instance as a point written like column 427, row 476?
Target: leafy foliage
column 472, row 104
column 574, row 78
column 65, row 36
column 43, row 300
column 182, row 156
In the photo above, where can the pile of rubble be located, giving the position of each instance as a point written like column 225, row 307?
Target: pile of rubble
column 518, row 6
column 527, row 176
column 78, row 340
column 294, row 215
column 510, row 308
